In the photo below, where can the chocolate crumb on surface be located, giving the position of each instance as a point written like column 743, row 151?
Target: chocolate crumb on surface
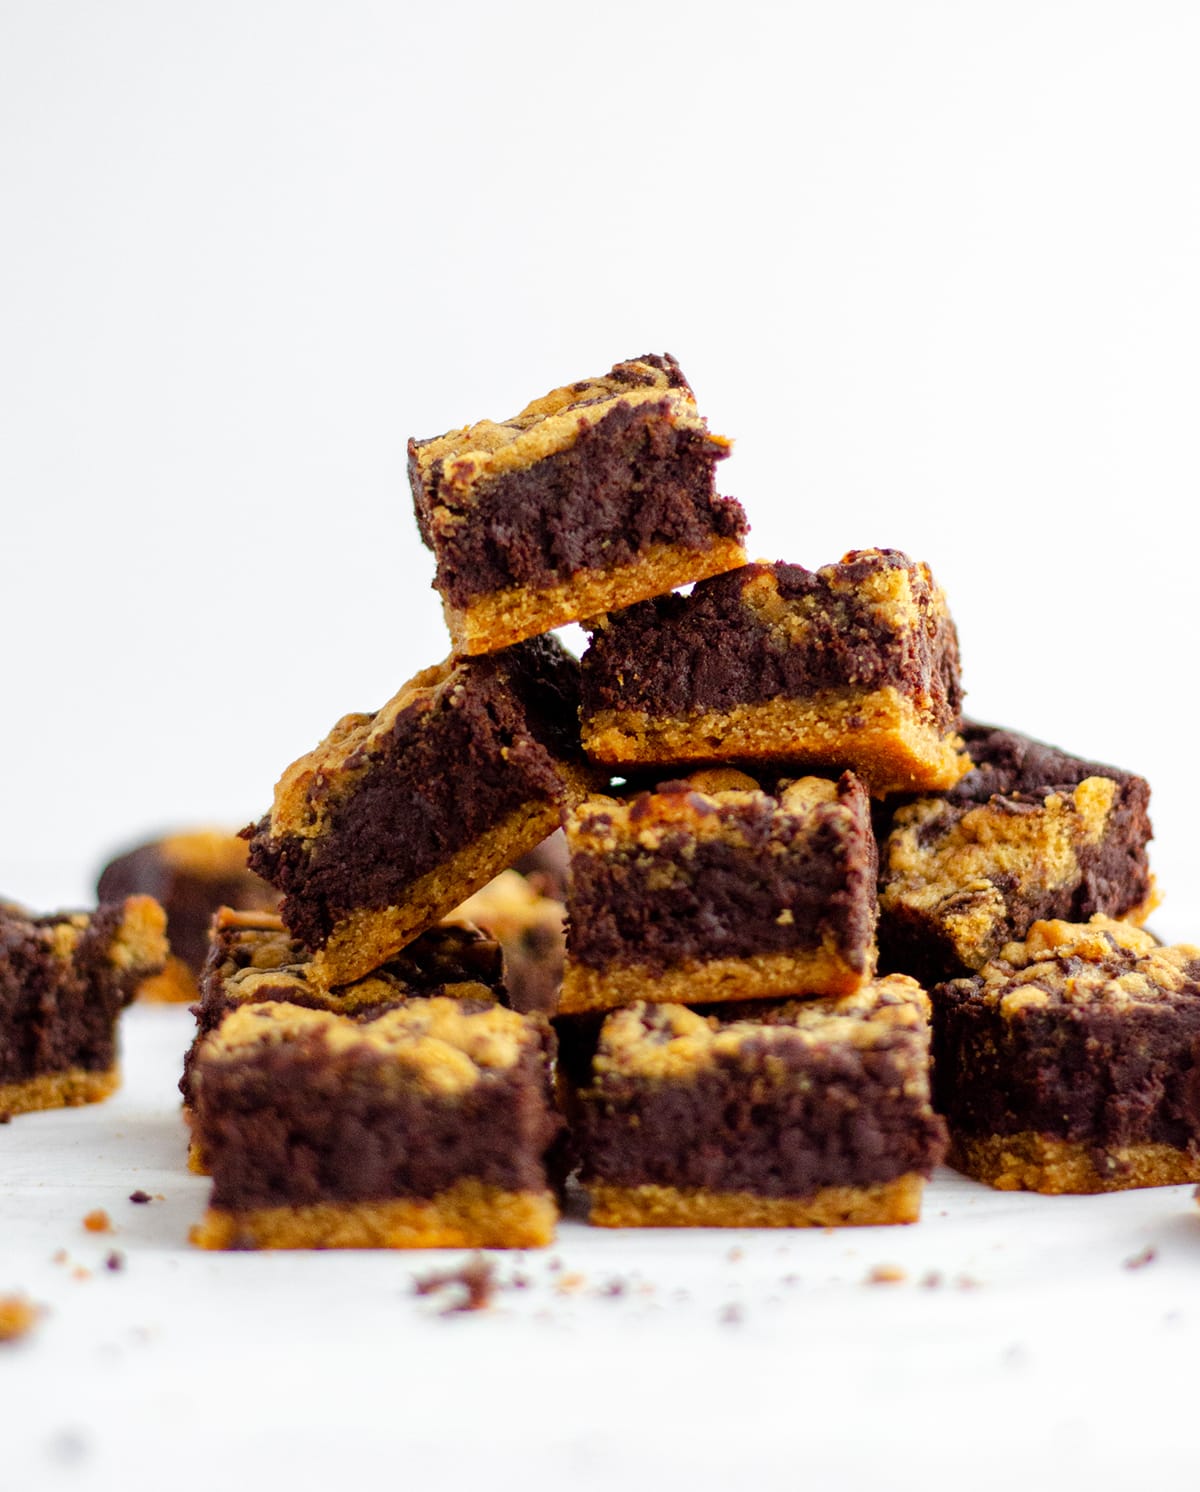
column 140, row 1197
column 1139, row 1261
column 115, row 1261
column 475, row 1280
column 98, row 1221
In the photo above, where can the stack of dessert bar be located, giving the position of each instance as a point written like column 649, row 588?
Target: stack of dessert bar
column 755, row 780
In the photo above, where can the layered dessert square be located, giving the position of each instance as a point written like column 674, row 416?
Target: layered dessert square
column 854, row 665
column 814, row 1112
column 1029, row 834
column 425, row 1127
column 710, row 888
column 593, row 497
column 190, row 875
column 397, row 817
column 64, row 980
column 1071, row 1063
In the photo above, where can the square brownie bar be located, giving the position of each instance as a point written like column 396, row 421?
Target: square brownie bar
column 595, row 496
column 425, row 1127
column 813, row 1112
column 190, row 875
column 1030, row 834
column 854, row 665
column 712, row 889
column 1072, row 1062
column 64, row 980
column 397, row 817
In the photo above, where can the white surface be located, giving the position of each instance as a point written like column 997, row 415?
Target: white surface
column 933, row 265
column 188, row 1369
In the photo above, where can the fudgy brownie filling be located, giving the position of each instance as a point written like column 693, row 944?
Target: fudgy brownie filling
column 56, row 1014
column 848, row 1124
column 271, row 1140
column 710, row 651
column 630, row 481
column 723, row 900
column 1008, row 763
column 409, row 813
column 1094, row 1076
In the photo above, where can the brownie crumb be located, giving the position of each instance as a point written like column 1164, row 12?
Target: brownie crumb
column 115, row 1260
column 5, row 1117
column 59, row 1256
column 731, row 1315
column 519, row 1282
column 476, row 1277
column 887, row 1274
column 18, row 1316
column 80, row 1273
column 554, row 1265
column 967, row 1282
column 98, row 1221
column 932, row 1280
column 1139, row 1261
column 613, row 1289
column 570, row 1284
column 140, row 1197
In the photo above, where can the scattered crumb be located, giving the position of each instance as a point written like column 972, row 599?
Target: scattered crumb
column 731, row 1315
column 476, row 1279
column 18, row 1316
column 519, row 1282
column 887, row 1274
column 790, row 1279
column 735, row 1254
column 1139, row 1261
column 115, row 1260
column 98, row 1221
column 158, row 1197
column 140, row 1196
column 568, row 1284
column 966, row 1282
column 80, row 1273
column 59, row 1256
column 554, row 1265
column 5, row 1117
column 932, row 1280
column 613, row 1288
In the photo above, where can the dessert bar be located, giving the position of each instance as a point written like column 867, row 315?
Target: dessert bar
column 1072, row 1062
column 854, row 665
column 64, row 980
column 595, row 496
column 710, row 888
column 530, row 929
column 1030, row 834
column 190, row 875
column 397, row 817
column 813, row 1112
column 426, row 1127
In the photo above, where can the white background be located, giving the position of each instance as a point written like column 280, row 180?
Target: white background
column 934, row 266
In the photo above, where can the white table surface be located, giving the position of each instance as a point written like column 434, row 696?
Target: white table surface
column 1041, row 1352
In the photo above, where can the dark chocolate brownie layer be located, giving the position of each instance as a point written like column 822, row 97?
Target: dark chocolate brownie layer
column 269, row 1145
column 710, row 651
column 631, row 908
column 58, row 1012
column 847, row 1123
column 1011, row 765
column 453, row 764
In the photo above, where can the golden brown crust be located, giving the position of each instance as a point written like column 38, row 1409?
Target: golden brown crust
column 755, row 977
column 504, row 617
column 880, row 735
column 58, row 1090
column 1037, row 1163
column 896, row 1201
column 367, row 938
column 465, row 1215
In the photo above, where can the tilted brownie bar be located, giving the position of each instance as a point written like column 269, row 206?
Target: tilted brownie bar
column 595, row 496
column 852, row 665
column 190, row 875
column 1072, row 1062
column 712, row 889
column 1030, row 834
column 423, row 1128
column 814, row 1112
column 396, row 818
column 64, row 980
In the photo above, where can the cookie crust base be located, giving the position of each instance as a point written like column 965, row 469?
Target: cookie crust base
column 366, row 938
column 896, row 1201
column 700, row 981
column 500, row 618
column 465, row 1215
column 58, row 1090
column 879, row 735
column 1037, row 1163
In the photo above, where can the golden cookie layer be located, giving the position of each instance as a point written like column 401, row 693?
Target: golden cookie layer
column 896, row 1201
